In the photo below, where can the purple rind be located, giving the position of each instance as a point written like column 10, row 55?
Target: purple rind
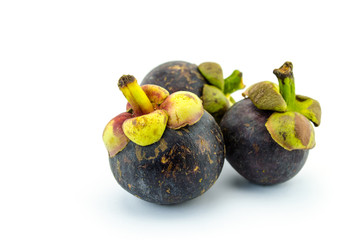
column 177, row 76
column 184, row 164
column 250, row 149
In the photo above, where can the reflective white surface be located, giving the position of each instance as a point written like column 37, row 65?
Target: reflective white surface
column 59, row 68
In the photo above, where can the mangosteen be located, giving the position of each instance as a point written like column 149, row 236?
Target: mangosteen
column 268, row 135
column 205, row 80
column 165, row 149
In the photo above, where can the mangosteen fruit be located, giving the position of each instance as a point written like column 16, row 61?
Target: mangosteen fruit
column 165, row 148
column 268, row 135
column 205, row 80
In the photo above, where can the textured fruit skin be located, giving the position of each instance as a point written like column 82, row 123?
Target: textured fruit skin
column 177, row 76
column 251, row 150
column 182, row 165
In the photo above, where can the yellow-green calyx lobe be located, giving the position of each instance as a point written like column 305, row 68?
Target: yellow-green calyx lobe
column 156, row 94
column 310, row 108
column 266, row 96
column 183, row 108
column 150, row 109
column 219, row 88
column 213, row 73
column 289, row 125
column 113, row 135
column 147, row 129
column 291, row 130
column 215, row 102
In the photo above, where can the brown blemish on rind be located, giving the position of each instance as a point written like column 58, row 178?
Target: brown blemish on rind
column 164, row 159
column 209, row 159
column 141, row 154
column 163, row 145
column 204, row 145
column 255, row 147
column 168, row 171
column 119, row 171
column 138, row 152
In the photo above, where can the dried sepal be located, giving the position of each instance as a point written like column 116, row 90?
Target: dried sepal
column 266, row 96
column 156, row 94
column 310, row 108
column 213, row 73
column 214, row 101
column 113, row 136
column 146, row 129
column 291, row 130
column 183, row 108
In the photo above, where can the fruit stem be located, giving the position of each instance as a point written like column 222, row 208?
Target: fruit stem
column 135, row 95
column 233, row 83
column 287, row 84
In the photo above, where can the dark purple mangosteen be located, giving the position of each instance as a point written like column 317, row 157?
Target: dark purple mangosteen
column 268, row 135
column 165, row 149
column 205, row 80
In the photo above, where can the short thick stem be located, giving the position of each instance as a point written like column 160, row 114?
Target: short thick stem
column 135, row 95
column 286, row 84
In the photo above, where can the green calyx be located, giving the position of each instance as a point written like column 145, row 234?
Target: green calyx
column 289, row 126
column 150, row 110
column 266, row 96
column 291, row 130
column 213, row 73
column 215, row 102
column 217, row 94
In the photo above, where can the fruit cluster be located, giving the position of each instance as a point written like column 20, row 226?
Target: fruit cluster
column 181, row 123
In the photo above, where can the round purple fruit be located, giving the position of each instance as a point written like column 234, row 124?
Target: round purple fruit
column 165, row 149
column 268, row 135
column 205, row 80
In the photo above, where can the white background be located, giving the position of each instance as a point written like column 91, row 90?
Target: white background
column 59, row 66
